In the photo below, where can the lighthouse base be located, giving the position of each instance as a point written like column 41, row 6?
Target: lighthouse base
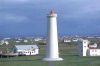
column 52, row 59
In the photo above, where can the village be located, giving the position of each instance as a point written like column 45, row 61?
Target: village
column 10, row 47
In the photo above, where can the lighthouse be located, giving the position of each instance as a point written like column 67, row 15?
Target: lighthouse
column 52, row 53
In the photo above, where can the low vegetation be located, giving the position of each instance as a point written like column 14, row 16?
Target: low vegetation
column 68, row 51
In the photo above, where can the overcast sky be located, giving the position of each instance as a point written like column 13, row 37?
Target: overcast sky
column 28, row 17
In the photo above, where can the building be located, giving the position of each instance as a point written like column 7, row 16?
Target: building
column 94, row 52
column 75, row 39
column 67, row 39
column 25, row 40
column 4, row 42
column 38, row 39
column 87, row 49
column 94, row 45
column 26, row 49
column 17, row 41
column 7, row 38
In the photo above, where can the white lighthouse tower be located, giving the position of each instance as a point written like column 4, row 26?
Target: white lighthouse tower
column 83, row 47
column 52, row 53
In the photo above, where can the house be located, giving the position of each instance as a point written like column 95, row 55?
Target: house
column 94, row 49
column 25, row 40
column 67, row 39
column 4, row 42
column 93, row 52
column 75, row 39
column 87, row 49
column 38, row 39
column 94, row 45
column 26, row 49
column 44, row 40
column 6, row 38
column 21, row 40
column 17, row 41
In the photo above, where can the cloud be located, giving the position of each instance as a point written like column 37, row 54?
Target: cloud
column 80, row 9
column 12, row 18
column 74, row 15
column 15, row 1
column 68, row 9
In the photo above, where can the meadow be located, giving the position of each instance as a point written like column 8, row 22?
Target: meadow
column 68, row 52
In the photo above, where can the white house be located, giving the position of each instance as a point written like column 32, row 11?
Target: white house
column 38, row 39
column 17, row 41
column 4, row 42
column 25, row 40
column 88, row 50
column 93, row 52
column 67, row 39
column 26, row 49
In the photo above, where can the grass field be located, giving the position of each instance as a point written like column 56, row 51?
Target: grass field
column 68, row 53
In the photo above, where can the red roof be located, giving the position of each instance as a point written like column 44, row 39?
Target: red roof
column 95, row 43
column 94, row 48
column 67, row 39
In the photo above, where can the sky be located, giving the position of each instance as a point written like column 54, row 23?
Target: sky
column 29, row 17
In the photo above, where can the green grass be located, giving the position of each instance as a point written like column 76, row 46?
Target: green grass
column 68, row 53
